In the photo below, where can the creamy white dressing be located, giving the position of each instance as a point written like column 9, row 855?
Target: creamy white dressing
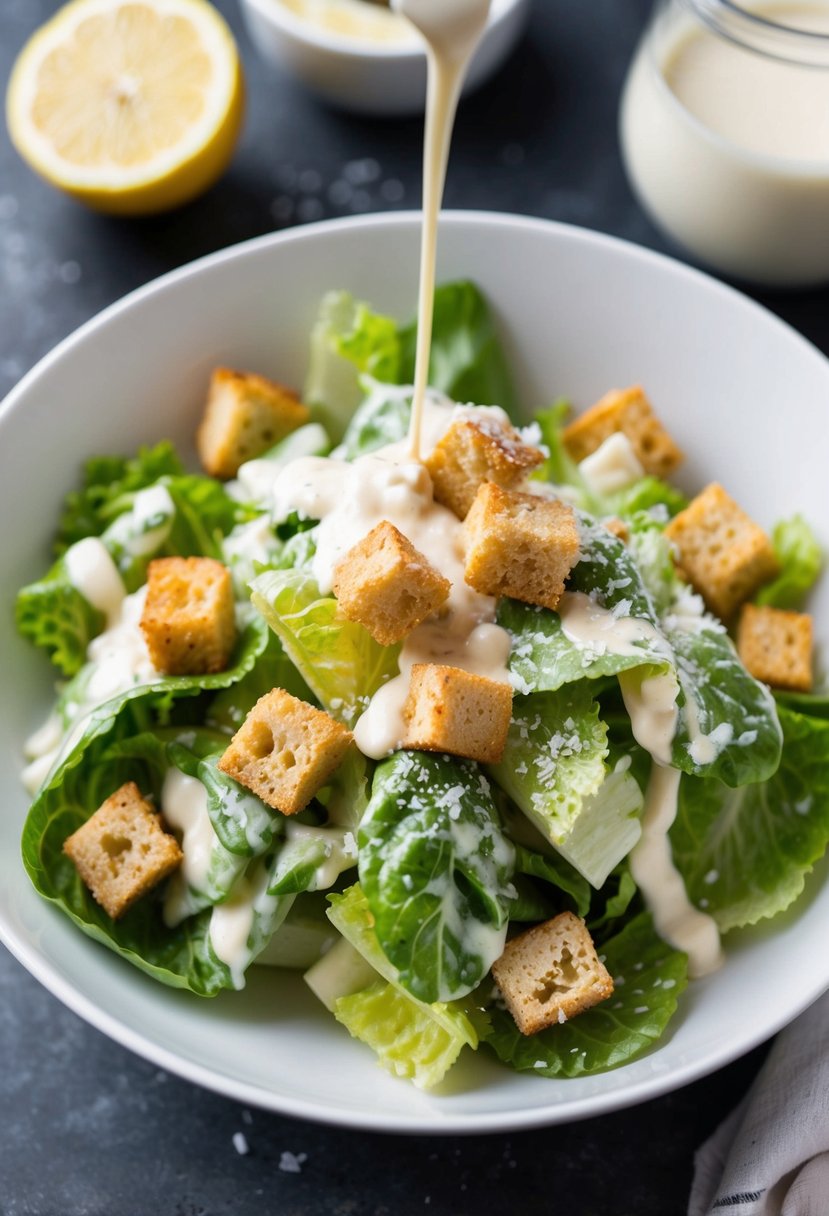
column 451, row 30
column 120, row 661
column 184, row 807
column 676, row 919
column 233, row 922
column 350, row 498
column 613, row 466
column 142, row 530
column 339, row 846
column 93, row 573
column 651, row 703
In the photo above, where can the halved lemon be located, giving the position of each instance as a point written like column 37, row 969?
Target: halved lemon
column 131, row 106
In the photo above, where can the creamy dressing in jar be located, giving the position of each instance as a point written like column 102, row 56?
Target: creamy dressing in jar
column 725, row 134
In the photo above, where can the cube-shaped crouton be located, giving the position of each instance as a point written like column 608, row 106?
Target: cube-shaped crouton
column 520, row 545
column 474, row 451
column 550, row 973
column 189, row 621
column 387, row 585
column 776, row 646
column 285, row 751
column 245, row 415
column 450, row 710
column 722, row 552
column 122, row 851
column 618, row 528
column 626, row 410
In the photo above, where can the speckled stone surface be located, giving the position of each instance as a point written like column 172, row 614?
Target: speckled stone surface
column 87, row 1128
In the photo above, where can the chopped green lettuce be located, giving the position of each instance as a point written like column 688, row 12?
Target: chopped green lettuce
column 554, row 769
column 406, row 1039
column 467, row 360
column 109, row 482
column 559, row 468
column 338, row 659
column 180, row 956
column 383, row 418
column 432, row 1035
column 435, row 868
column 649, row 977
column 728, row 726
column 798, row 551
column 55, row 617
column 230, row 706
column 543, row 658
column 243, row 823
column 745, row 853
column 312, row 859
column 557, row 873
column 348, row 340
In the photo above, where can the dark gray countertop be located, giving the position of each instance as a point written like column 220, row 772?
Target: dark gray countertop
column 89, row 1129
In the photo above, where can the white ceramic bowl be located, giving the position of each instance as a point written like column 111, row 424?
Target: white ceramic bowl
column 367, row 74
column 578, row 313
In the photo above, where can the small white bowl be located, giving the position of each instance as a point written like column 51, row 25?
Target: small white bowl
column 380, row 70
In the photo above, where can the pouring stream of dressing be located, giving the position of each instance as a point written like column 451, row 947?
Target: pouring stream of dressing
column 452, row 30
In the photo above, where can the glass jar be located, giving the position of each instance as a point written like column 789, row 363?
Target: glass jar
column 724, row 127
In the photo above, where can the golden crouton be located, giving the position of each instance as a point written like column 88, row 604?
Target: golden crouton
column 618, row 528
column 189, row 621
column 387, row 585
column 722, row 552
column 626, row 410
column 449, row 710
column 520, row 545
column 776, row 646
column 122, row 851
column 285, row 750
column 472, row 452
column 245, row 415
column 551, row 973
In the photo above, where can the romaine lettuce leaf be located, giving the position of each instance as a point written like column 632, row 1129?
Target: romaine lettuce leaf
column 434, row 1034
column 649, row 978
column 798, row 551
column 745, row 853
column 467, row 360
column 182, row 956
column 543, row 658
column 273, row 669
column 555, row 872
column 559, row 466
column 408, row 1042
column 78, row 704
column 554, row 769
column 55, row 617
column 611, row 903
column 339, row 660
column 647, row 494
column 435, row 868
column 728, row 727
column 243, row 823
column 381, row 419
column 347, row 340
column 108, row 484
column 311, row 859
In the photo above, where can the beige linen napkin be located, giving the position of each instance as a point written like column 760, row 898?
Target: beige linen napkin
column 771, row 1155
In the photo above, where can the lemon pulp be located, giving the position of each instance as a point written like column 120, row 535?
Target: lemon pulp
column 129, row 105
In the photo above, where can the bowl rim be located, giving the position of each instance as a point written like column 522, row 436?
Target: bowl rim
column 416, row 1124
column 277, row 14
